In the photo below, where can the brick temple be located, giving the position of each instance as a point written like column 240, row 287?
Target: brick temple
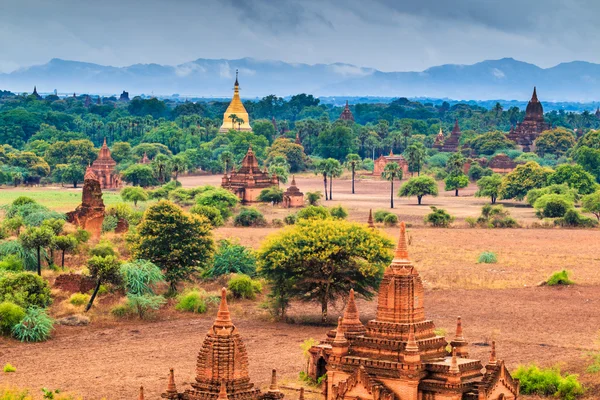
column 248, row 181
column 104, row 169
column 293, row 197
column 439, row 140
column 347, row 114
column 236, row 107
column 382, row 161
column 398, row 356
column 452, row 142
column 525, row 133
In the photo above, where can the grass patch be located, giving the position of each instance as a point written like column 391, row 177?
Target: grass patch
column 9, row 368
column 54, row 198
column 548, row 382
column 560, row 279
column 192, row 301
column 79, row 299
column 487, row 257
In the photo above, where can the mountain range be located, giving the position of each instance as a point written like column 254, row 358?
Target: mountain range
column 492, row 79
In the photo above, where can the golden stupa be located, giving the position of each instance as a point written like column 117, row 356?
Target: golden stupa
column 236, row 108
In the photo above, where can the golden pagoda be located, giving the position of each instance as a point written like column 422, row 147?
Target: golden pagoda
column 236, row 108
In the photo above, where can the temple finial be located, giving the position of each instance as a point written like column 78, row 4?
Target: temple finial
column 401, row 252
column 223, row 316
column 340, row 338
column 104, row 144
column 351, row 316
column 493, row 359
column 236, row 78
column 459, row 331
column 412, row 345
column 454, row 363
column 141, row 396
column 370, row 220
column 171, row 388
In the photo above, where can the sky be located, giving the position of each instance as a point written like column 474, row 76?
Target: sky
column 389, row 35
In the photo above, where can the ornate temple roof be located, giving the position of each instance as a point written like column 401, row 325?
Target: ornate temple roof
column 346, row 113
column 104, row 159
column 236, row 107
column 534, row 110
column 89, row 174
column 293, row 190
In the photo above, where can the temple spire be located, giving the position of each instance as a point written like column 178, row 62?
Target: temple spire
column 459, row 331
column 223, row 316
column 236, row 79
column 401, row 252
column 370, row 220
column 171, row 388
column 273, row 386
column 340, row 338
column 141, row 396
column 351, row 316
column 534, row 97
column 412, row 345
column 493, row 359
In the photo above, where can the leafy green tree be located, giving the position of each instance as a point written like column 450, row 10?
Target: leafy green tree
column 553, row 205
column 211, row 213
column 305, row 261
column 36, row 238
column 335, row 142
column 280, row 168
column 574, row 176
column 134, row 194
column 490, row 142
column 64, row 243
column 180, row 243
column 226, row 158
column 271, row 195
column 232, row 258
column 139, row 175
column 14, row 224
column 161, row 167
column 120, row 151
column 313, row 198
column 415, row 155
column 222, row 199
column 555, row 141
column 522, row 179
column 390, row 172
column 352, row 161
column 321, row 168
column 419, row 186
column 293, row 153
column 489, row 186
column 334, row 170
column 589, row 159
column 456, row 181
column 455, row 164
column 178, row 164
column 103, row 270
column 233, row 118
column 591, row 203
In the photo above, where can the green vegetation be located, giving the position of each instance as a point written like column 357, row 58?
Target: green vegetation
column 552, row 205
column 9, row 368
column 313, row 212
column 391, row 172
column 10, row 315
column 390, row 220
column 231, row 257
column 36, row 326
column 25, row 289
column 419, row 187
column 489, row 186
column 244, row 287
column 338, row 212
column 439, row 218
column 313, row 198
column 487, row 257
column 559, row 279
column 548, row 382
column 271, row 195
column 79, row 299
column 249, row 216
column 192, row 301
column 591, row 204
column 380, row 215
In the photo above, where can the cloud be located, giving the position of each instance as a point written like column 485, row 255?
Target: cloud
column 350, row 70
column 498, row 74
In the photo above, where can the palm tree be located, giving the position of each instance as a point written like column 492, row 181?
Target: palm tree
column 352, row 161
column 334, row 169
column 226, row 158
column 239, row 121
column 415, row 157
column 233, row 119
column 321, row 168
column 178, row 165
column 392, row 171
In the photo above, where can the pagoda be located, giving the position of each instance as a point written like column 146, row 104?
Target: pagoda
column 293, row 197
column 439, row 140
column 104, row 169
column 222, row 367
column 145, row 159
column 124, row 96
column 382, row 161
column 89, row 215
column 398, row 355
column 248, row 181
column 533, row 125
column 451, row 143
column 236, row 107
column 597, row 113
column 35, row 93
column 347, row 114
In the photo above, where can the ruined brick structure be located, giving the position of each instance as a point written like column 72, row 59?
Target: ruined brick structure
column 89, row 215
column 380, row 163
column 452, row 142
column 502, row 164
column 104, row 169
column 525, row 133
column 293, row 197
column 248, row 181
column 346, row 114
column 398, row 356
column 222, row 367
column 74, row 283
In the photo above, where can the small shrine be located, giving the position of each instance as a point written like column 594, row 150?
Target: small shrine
column 89, row 215
column 293, row 197
column 525, row 133
column 452, row 142
column 236, row 108
column 347, row 114
column 398, row 355
column 104, row 169
column 145, row 159
column 248, row 181
column 381, row 162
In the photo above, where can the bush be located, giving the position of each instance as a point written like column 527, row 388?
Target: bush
column 120, row 311
column 390, row 220
column 103, row 249
column 472, row 222
column 10, row 315
column 548, row 382
column 182, row 197
column 338, row 212
column 79, row 299
column 313, row 198
column 380, row 215
column 477, row 172
column 290, row 219
column 25, row 289
column 140, row 277
column 27, row 256
column 487, row 257
column 109, row 224
column 9, row 368
column 36, row 326
column 496, row 217
column 313, row 212
column 143, row 303
column 439, row 218
column 82, row 235
column 574, row 219
column 232, row 257
column 553, row 205
column 559, row 279
column 244, row 287
column 249, row 217
column 11, row 263
column 222, row 199
column 271, row 195
column 192, row 301
column 277, row 223
column 534, row 194
column 211, row 213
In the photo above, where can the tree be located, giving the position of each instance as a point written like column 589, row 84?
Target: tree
column 415, row 157
column 392, row 171
column 589, row 159
column 233, row 119
column 313, row 198
column 321, row 260
column 71, row 173
column 352, row 161
column 574, row 176
column 293, row 153
column 335, row 142
column 280, row 168
column 65, row 243
column 103, row 270
column 419, row 186
column 489, row 186
column 36, row 238
column 455, row 164
column 522, row 179
column 334, row 170
column 456, row 181
column 161, row 165
column 180, row 243
column 555, row 141
column 139, row 175
column 490, row 142
column 591, row 203
column 226, row 158
column 321, row 168
column 178, row 165
column 134, row 194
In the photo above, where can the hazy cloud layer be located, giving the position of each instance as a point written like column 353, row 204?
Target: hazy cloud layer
column 389, row 35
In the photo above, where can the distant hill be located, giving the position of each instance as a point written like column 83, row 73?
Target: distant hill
column 493, row 79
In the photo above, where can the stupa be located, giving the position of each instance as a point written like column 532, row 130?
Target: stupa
column 104, row 169
column 293, row 197
column 236, row 108
column 381, row 162
column 398, row 355
column 346, row 113
column 248, row 181
column 439, row 140
column 35, row 93
column 89, row 215
column 533, row 125
column 451, row 143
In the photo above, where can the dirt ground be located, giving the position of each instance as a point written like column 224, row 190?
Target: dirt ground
column 110, row 359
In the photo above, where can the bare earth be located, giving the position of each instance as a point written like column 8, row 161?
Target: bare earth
column 499, row 302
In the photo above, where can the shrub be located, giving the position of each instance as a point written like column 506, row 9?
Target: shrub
column 313, row 198
column 211, row 213
column 277, row 223
column 140, row 277
column 27, row 256
column 477, row 172
column 271, row 195
column 36, row 326
column 103, row 249
column 390, row 220
column 244, row 287
column 79, row 299
column 249, row 217
column 220, row 198
column 547, row 382
column 552, row 205
column 109, row 224
column 313, row 212
column 487, row 257
column 192, row 301
column 438, row 160
column 232, row 257
column 9, row 368
column 143, row 303
column 471, row 221
column 11, row 263
column 82, row 235
column 574, row 219
column 338, row 212
column 380, row 215
column 563, row 189
column 496, row 217
column 10, row 315
column 120, row 311
column 182, row 197
column 290, row 219
column 25, row 289
column 439, row 218
column 559, row 278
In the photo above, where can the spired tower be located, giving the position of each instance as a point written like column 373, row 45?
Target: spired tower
column 532, row 126
column 236, row 108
